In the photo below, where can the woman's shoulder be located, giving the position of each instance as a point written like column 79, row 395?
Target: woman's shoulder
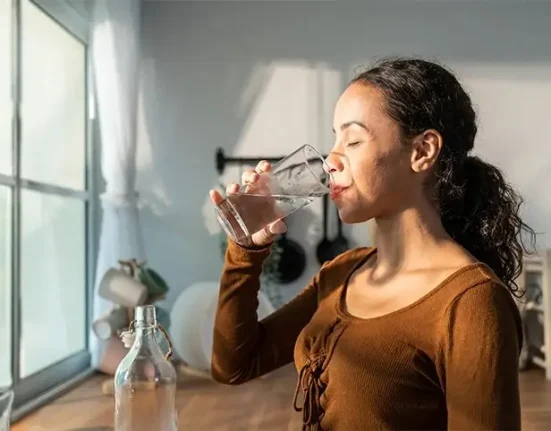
column 477, row 283
column 480, row 333
column 478, row 296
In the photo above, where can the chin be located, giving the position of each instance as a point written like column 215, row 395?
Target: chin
column 352, row 215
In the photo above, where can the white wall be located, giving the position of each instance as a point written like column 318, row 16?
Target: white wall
column 261, row 78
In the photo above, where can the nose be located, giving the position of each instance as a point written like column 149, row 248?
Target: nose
column 334, row 162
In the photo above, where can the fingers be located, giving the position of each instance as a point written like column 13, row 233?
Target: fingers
column 252, row 175
column 249, row 177
column 232, row 189
column 263, row 166
column 215, row 197
column 254, row 181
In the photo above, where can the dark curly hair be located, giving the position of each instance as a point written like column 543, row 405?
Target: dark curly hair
column 478, row 208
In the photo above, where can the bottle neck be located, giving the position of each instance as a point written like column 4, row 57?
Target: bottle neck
column 146, row 342
column 144, row 330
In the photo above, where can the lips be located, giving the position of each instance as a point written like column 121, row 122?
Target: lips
column 335, row 190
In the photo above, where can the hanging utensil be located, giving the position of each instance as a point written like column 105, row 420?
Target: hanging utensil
column 323, row 250
column 292, row 260
column 329, row 249
column 340, row 244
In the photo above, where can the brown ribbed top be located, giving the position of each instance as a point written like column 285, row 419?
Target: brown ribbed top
column 447, row 361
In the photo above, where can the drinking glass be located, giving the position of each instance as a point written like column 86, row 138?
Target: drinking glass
column 6, row 400
column 291, row 184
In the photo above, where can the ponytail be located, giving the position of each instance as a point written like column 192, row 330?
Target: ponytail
column 480, row 211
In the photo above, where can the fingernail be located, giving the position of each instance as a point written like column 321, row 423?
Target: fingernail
column 279, row 228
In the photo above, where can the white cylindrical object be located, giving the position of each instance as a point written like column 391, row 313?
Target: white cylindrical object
column 186, row 319
column 192, row 322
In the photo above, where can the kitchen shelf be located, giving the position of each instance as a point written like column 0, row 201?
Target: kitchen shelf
column 538, row 265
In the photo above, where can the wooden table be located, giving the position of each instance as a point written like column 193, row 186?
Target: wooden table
column 263, row 404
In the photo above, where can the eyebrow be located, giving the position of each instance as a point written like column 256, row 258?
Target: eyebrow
column 350, row 123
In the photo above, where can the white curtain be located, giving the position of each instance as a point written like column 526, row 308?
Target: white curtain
column 115, row 44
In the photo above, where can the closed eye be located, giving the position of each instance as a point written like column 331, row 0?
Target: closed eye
column 353, row 144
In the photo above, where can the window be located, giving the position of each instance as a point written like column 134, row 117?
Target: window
column 45, row 197
column 5, row 282
column 5, row 87
column 6, row 181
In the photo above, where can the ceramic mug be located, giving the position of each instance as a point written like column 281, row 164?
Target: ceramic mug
column 121, row 289
column 109, row 323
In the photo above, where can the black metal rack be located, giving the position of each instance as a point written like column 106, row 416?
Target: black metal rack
column 221, row 160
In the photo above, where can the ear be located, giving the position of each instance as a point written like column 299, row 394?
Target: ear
column 425, row 151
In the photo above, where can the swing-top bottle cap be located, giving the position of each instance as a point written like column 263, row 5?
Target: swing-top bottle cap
column 146, row 314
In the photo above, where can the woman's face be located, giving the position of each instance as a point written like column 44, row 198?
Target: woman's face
column 368, row 159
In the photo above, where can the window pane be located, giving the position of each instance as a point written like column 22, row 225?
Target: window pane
column 53, row 279
column 53, row 101
column 5, row 286
column 5, row 88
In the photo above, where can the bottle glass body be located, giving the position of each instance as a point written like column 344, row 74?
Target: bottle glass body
column 145, row 382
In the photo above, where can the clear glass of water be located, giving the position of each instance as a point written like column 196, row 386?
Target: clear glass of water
column 292, row 183
column 6, row 401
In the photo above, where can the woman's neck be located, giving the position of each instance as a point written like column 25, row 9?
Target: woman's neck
column 405, row 240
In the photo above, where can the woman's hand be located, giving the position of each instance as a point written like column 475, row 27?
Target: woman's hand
column 254, row 182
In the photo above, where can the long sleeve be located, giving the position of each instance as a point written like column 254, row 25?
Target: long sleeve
column 481, row 352
column 243, row 347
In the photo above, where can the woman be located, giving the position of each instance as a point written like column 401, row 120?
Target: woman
column 420, row 331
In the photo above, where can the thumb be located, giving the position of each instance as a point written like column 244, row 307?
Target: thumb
column 266, row 235
column 278, row 227
column 263, row 237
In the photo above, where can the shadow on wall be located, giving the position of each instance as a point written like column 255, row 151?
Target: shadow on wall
column 184, row 124
column 261, row 78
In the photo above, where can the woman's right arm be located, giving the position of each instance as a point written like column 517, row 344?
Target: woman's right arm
column 243, row 347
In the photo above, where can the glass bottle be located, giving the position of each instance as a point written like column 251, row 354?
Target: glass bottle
column 145, row 380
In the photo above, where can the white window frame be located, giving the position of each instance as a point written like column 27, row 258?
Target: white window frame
column 37, row 389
